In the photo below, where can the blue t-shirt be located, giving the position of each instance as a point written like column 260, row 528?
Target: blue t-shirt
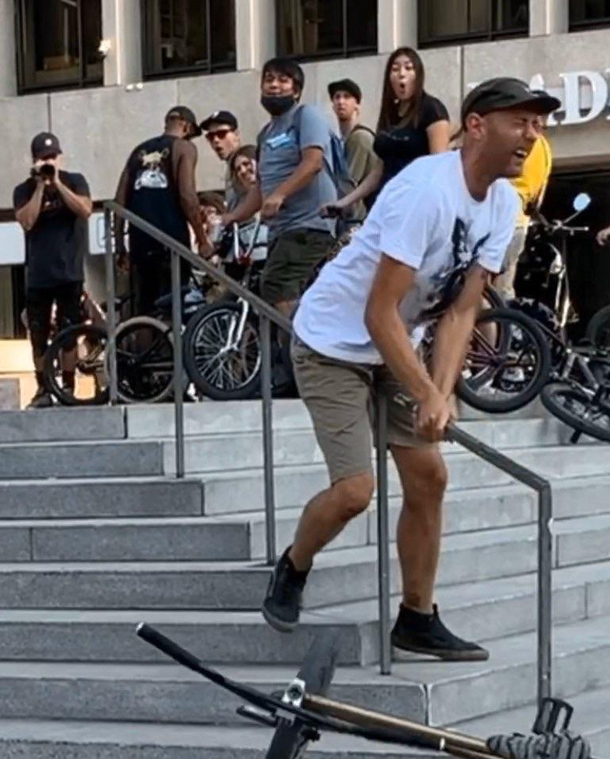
column 281, row 144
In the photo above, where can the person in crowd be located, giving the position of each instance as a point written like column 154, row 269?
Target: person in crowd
column 293, row 182
column 411, row 124
column 531, row 186
column 437, row 233
column 212, row 206
column 158, row 185
column 222, row 133
column 358, row 139
column 243, row 169
column 52, row 206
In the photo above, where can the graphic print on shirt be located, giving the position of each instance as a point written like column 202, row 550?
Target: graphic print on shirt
column 443, row 287
column 151, row 173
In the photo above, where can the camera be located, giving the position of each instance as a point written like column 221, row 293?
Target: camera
column 46, row 171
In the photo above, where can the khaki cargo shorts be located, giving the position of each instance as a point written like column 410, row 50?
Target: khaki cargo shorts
column 340, row 396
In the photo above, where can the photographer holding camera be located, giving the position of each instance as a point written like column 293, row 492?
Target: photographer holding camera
column 52, row 206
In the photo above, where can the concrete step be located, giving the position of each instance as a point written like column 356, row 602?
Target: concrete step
column 62, row 423
column 103, row 497
column 205, row 453
column 443, row 693
column 590, row 719
column 122, row 740
column 339, row 576
column 146, row 421
column 232, row 538
column 488, row 610
column 235, row 491
column 87, row 459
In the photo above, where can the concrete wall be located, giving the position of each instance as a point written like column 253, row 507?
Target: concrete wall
column 98, row 127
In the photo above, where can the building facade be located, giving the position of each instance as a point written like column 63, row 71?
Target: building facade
column 101, row 74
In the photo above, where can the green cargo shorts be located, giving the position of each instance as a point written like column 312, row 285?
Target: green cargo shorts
column 340, row 397
column 291, row 261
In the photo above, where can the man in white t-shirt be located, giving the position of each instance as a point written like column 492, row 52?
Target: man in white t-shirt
column 436, row 234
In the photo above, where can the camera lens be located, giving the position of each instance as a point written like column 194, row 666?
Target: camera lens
column 47, row 171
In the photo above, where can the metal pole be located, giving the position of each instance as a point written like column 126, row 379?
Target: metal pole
column 268, row 440
column 383, row 537
column 178, row 371
column 110, row 306
column 545, row 591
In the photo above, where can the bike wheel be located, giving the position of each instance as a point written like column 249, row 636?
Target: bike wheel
column 507, row 363
column 90, row 375
column 574, row 407
column 598, row 329
column 492, row 298
column 145, row 361
column 223, row 364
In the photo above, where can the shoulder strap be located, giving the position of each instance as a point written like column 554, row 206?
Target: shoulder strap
column 364, row 127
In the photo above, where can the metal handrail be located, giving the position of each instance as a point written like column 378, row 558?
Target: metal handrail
column 268, row 314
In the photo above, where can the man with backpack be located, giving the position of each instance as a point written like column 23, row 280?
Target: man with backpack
column 358, row 139
column 296, row 177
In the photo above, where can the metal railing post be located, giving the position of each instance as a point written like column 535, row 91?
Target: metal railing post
column 383, row 536
column 266, row 380
column 545, row 547
column 178, row 370
column 545, row 592
column 110, row 306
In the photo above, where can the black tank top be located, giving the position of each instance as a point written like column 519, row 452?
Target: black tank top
column 153, row 195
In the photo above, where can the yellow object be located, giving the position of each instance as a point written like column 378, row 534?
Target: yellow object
column 532, row 183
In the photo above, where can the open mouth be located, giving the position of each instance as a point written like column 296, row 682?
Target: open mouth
column 521, row 154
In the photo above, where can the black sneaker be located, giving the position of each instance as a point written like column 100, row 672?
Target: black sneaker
column 41, row 399
column 282, row 604
column 426, row 634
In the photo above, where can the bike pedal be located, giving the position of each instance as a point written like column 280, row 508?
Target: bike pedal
column 549, row 715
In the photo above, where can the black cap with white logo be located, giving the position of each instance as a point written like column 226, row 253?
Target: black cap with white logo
column 506, row 92
column 220, row 117
column 45, row 145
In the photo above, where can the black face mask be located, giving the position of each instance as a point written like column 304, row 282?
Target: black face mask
column 276, row 105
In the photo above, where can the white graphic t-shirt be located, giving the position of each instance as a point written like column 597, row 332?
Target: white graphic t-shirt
column 427, row 219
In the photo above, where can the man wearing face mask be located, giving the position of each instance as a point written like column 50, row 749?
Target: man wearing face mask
column 158, row 185
column 293, row 183
column 52, row 206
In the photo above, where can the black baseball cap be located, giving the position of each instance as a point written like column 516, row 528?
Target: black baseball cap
column 220, row 117
column 45, row 145
column 345, row 85
column 506, row 92
column 185, row 114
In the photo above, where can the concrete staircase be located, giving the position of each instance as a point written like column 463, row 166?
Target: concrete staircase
column 95, row 536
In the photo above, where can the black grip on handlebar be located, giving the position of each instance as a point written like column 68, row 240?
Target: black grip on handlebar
column 167, row 646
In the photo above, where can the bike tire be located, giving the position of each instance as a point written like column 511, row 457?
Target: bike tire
column 216, row 319
column 52, row 363
column 133, row 384
column 550, row 399
column 492, row 297
column 598, row 329
column 501, row 405
column 291, row 741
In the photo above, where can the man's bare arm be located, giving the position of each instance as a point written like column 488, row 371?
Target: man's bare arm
column 81, row 205
column 455, row 329
column 188, row 194
column 382, row 317
column 250, row 205
column 27, row 215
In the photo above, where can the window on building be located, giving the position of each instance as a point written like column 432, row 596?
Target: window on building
column 585, row 14
column 184, row 36
column 310, row 29
column 57, row 43
column 452, row 21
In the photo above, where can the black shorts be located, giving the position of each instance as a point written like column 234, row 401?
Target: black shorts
column 151, row 278
column 39, row 307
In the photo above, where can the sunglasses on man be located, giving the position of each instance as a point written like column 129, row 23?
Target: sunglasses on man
column 220, row 133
